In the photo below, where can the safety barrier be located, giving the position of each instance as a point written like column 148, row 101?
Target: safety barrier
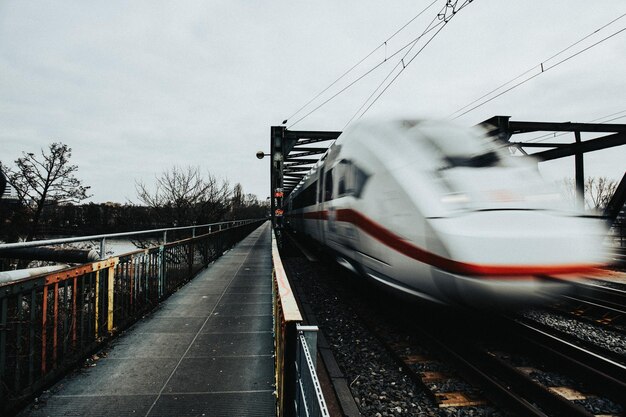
column 297, row 386
column 51, row 322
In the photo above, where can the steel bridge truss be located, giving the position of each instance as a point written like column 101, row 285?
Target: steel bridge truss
column 504, row 129
column 291, row 153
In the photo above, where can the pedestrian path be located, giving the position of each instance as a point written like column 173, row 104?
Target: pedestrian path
column 205, row 351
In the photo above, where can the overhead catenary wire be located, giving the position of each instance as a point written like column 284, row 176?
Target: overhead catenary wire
column 375, row 67
column 542, row 69
column 541, row 65
column 446, row 13
column 383, row 44
column 444, row 19
column 400, row 62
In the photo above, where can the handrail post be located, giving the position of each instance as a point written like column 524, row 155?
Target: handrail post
column 162, row 268
column 103, row 248
column 310, row 334
column 98, row 298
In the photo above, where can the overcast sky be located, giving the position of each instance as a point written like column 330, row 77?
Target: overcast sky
column 137, row 87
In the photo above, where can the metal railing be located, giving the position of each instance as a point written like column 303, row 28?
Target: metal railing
column 309, row 398
column 163, row 233
column 297, row 386
column 51, row 322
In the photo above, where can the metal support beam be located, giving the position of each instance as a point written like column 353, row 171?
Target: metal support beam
column 294, row 153
column 301, row 152
column 525, row 127
column 539, row 145
column 299, row 148
column 301, row 161
column 604, row 142
column 504, row 128
column 504, row 124
column 309, row 141
column 579, row 166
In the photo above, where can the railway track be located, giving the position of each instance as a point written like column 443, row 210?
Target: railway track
column 613, row 299
column 471, row 369
column 598, row 301
column 598, row 293
column 511, row 387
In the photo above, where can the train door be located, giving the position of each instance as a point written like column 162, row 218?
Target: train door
column 340, row 232
column 329, row 229
column 345, row 219
column 320, row 223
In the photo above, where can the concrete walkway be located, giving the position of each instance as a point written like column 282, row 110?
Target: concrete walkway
column 206, row 351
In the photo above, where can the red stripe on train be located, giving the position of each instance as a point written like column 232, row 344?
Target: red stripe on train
column 408, row 249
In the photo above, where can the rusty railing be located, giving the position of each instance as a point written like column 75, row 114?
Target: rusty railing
column 50, row 322
column 297, row 386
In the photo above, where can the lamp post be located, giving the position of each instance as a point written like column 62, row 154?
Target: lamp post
column 276, row 173
column 273, row 189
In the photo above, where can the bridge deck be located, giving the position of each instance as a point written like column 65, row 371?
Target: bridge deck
column 206, row 351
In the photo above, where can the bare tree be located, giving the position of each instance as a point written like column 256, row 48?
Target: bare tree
column 598, row 191
column 184, row 196
column 44, row 180
column 238, row 198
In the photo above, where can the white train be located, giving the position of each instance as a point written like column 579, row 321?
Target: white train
column 443, row 213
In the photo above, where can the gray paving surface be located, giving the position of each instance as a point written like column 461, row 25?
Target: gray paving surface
column 206, row 351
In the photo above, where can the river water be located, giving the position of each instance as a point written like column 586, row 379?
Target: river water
column 114, row 247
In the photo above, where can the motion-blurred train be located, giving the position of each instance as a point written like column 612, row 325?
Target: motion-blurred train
column 444, row 213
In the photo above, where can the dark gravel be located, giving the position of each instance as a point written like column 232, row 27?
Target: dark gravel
column 380, row 387
column 595, row 334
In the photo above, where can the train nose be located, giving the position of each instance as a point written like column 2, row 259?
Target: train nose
column 517, row 241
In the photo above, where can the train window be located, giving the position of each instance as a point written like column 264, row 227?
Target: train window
column 343, row 171
column 351, row 179
column 355, row 178
column 328, row 186
column 341, row 185
column 460, row 148
column 305, row 197
column 321, row 184
column 359, row 180
column 311, row 190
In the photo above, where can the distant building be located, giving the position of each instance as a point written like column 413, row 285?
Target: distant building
column 9, row 193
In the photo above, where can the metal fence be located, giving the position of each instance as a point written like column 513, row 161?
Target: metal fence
column 309, row 398
column 51, row 322
column 297, row 386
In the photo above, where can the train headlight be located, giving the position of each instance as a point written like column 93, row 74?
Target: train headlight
column 456, row 198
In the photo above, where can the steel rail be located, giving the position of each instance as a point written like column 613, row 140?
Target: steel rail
column 502, row 381
column 593, row 303
column 609, row 298
column 480, row 369
column 472, row 370
column 602, row 371
column 596, row 292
